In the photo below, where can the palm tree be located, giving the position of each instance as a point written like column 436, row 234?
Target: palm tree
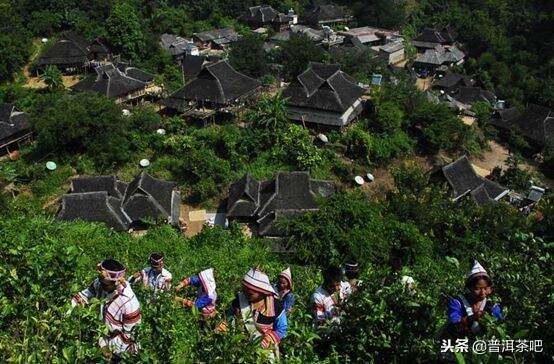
column 270, row 112
column 52, row 77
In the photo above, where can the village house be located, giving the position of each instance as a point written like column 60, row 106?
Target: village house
column 451, row 82
column 218, row 39
column 371, row 36
column 463, row 180
column 72, row 53
column 471, row 95
column 427, row 63
column 217, row 87
column 177, row 46
column 392, row 53
column 120, row 82
column 323, row 95
column 14, row 129
column 121, row 205
column 535, row 124
column 387, row 44
column 430, row 38
column 192, row 65
column 264, row 16
column 324, row 37
column 263, row 203
column 325, row 14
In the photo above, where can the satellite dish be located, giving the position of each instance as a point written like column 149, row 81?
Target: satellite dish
column 359, row 180
column 51, row 166
column 125, row 112
column 144, row 163
column 346, row 28
column 370, row 177
column 160, row 131
column 44, row 40
column 323, row 138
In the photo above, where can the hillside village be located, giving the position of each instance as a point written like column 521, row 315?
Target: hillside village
column 309, row 135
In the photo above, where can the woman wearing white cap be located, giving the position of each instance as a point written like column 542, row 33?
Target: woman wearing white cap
column 121, row 310
column 284, row 289
column 262, row 314
column 206, row 295
column 465, row 310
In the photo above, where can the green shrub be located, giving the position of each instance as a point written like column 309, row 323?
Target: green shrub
column 82, row 123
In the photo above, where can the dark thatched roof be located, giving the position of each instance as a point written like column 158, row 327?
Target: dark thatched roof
column 12, row 123
column 105, row 199
column 220, row 36
column 192, row 65
column 452, row 81
column 323, row 87
column 440, row 55
column 535, row 122
column 218, row 84
column 288, row 194
column 481, row 196
column 471, row 95
column 326, row 13
column 175, row 45
column 112, row 81
column 159, row 197
column 96, row 184
column 433, row 37
column 70, row 49
column 94, row 207
column 462, row 178
column 263, row 14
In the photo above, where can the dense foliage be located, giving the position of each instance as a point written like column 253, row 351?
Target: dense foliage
column 384, row 321
column 83, row 123
column 45, row 261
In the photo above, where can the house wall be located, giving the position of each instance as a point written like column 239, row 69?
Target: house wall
column 394, row 57
column 326, row 117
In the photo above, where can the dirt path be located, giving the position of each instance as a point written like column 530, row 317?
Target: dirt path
column 492, row 158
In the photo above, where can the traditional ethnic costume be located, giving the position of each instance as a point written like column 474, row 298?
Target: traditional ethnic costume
column 325, row 305
column 286, row 296
column 120, row 312
column 461, row 320
column 266, row 319
column 351, row 271
column 158, row 281
column 206, row 294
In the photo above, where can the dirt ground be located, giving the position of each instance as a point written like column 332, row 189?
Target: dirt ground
column 496, row 156
column 384, row 181
column 193, row 227
column 37, row 83
column 424, row 84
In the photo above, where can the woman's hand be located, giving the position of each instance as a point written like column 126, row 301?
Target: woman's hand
column 221, row 328
column 267, row 341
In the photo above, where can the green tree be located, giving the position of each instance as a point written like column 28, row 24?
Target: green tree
column 270, row 112
column 389, row 14
column 83, row 123
column 296, row 147
column 15, row 42
column 389, row 116
column 297, row 52
column 248, row 56
column 52, row 77
column 126, row 31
